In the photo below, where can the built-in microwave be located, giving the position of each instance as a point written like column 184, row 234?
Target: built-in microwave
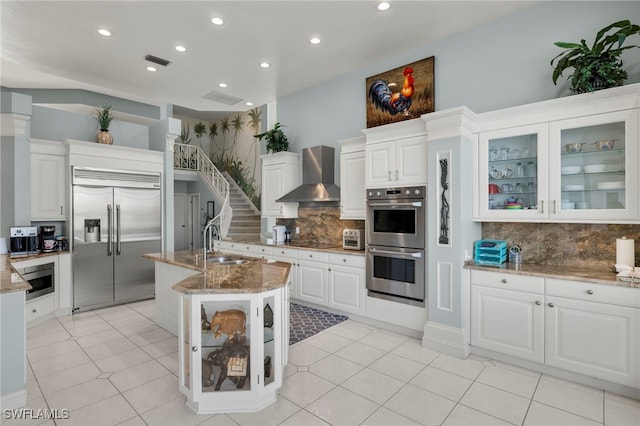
column 41, row 278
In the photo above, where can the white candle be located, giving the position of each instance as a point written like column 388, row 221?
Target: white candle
column 625, row 252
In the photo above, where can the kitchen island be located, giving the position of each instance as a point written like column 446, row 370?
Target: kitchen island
column 13, row 392
column 232, row 316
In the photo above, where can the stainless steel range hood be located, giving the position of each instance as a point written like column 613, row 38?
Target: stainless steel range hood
column 317, row 187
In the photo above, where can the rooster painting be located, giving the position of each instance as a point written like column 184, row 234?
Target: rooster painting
column 383, row 98
column 400, row 94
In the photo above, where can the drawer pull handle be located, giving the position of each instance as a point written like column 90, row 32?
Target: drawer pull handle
column 344, row 260
column 33, row 311
column 551, row 305
column 589, row 291
column 504, row 280
column 538, row 302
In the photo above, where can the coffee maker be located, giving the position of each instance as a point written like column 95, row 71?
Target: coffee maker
column 48, row 241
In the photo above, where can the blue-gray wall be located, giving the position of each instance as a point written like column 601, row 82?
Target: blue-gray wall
column 497, row 65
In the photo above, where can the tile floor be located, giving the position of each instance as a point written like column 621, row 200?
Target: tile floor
column 114, row 366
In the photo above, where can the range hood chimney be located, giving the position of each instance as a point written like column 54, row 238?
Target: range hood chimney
column 317, row 187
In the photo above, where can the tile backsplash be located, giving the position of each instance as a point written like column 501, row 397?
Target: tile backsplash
column 570, row 244
column 319, row 225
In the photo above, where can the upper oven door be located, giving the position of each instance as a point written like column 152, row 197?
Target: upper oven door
column 396, row 223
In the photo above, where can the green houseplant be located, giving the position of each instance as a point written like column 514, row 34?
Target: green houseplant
column 598, row 66
column 276, row 139
column 104, row 115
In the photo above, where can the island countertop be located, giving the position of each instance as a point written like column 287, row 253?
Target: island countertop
column 10, row 280
column 251, row 276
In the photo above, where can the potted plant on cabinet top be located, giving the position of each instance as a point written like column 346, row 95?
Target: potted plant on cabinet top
column 276, row 139
column 599, row 66
column 104, row 116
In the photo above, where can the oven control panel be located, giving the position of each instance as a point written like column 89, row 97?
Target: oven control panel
column 409, row 192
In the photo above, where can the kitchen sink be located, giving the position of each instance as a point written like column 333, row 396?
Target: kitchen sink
column 224, row 260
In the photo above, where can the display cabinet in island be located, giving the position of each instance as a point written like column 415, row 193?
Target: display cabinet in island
column 233, row 330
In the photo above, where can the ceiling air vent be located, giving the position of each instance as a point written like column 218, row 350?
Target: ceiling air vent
column 157, row 60
column 222, row 98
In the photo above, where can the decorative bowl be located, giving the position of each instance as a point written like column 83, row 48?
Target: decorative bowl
column 605, row 144
column 573, row 148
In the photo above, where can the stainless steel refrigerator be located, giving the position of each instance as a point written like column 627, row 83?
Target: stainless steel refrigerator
column 116, row 219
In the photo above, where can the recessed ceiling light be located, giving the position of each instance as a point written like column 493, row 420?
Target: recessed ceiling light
column 217, row 21
column 265, row 65
column 383, row 5
column 104, row 32
column 314, row 40
column 180, row 48
column 249, row 103
column 151, row 69
column 222, row 85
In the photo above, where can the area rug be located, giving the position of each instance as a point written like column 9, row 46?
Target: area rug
column 304, row 322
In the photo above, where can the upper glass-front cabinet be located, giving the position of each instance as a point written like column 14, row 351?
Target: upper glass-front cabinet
column 513, row 173
column 594, row 167
column 575, row 170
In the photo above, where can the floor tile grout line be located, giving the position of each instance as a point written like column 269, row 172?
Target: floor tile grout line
column 531, row 400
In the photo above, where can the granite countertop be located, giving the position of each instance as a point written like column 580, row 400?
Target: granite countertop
column 598, row 275
column 302, row 245
column 252, row 276
column 10, row 280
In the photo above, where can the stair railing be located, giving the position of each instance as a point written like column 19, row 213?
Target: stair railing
column 191, row 157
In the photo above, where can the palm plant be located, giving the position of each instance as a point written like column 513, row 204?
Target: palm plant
column 255, row 118
column 224, row 128
column 236, row 124
column 599, row 66
column 199, row 130
column 184, row 135
column 213, row 132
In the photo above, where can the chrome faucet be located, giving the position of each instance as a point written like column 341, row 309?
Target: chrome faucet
column 207, row 242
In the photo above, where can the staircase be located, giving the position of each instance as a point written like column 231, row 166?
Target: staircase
column 238, row 218
column 245, row 222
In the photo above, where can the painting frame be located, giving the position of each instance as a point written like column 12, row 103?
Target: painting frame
column 386, row 93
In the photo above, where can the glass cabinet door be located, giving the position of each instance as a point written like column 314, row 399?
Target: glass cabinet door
column 512, row 174
column 593, row 167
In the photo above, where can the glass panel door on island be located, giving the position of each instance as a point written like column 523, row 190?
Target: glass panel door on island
column 593, row 175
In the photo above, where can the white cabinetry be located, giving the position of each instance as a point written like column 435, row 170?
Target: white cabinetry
column 586, row 328
column 352, row 173
column 48, row 180
column 507, row 314
column 257, row 371
column 593, row 330
column 313, row 277
column 167, row 300
column 59, row 301
column 400, row 162
column 547, row 162
column 280, row 175
column 396, row 154
column 346, row 283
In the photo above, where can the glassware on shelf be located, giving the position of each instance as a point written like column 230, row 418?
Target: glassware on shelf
column 519, row 170
column 531, row 169
column 504, row 153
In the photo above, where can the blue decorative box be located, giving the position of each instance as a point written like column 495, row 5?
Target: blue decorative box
column 490, row 252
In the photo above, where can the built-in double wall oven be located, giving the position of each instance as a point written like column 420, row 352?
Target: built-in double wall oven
column 395, row 252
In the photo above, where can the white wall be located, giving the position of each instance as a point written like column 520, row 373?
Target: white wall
column 494, row 66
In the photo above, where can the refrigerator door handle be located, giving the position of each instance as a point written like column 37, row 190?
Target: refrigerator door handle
column 109, row 226
column 118, row 229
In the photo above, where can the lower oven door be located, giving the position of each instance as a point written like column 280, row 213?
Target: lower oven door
column 396, row 274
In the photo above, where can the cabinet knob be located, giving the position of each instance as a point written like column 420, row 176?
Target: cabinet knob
column 589, row 291
column 329, row 269
column 551, row 305
column 504, row 281
column 344, row 260
column 194, row 349
column 33, row 311
column 310, row 255
column 538, row 302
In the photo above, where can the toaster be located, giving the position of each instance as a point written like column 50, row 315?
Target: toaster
column 353, row 239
